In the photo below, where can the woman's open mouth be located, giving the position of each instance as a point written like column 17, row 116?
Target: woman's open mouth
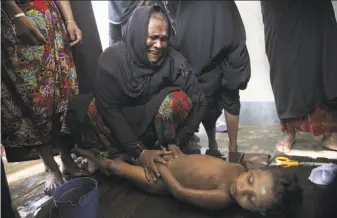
column 154, row 53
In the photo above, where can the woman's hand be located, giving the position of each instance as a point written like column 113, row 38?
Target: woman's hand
column 27, row 32
column 175, row 150
column 75, row 33
column 147, row 160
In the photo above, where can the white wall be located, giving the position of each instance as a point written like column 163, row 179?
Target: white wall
column 259, row 88
column 101, row 16
column 334, row 3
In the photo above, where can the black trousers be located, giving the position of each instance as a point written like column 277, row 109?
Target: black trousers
column 116, row 32
column 224, row 99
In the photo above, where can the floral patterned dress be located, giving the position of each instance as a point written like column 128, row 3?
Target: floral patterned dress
column 37, row 81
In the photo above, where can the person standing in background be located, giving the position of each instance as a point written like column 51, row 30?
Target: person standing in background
column 119, row 14
column 301, row 46
column 211, row 35
column 38, row 78
column 86, row 53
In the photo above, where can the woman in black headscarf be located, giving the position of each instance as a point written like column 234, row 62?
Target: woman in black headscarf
column 145, row 92
column 211, row 35
column 301, row 45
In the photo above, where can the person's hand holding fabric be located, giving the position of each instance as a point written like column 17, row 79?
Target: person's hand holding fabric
column 175, row 150
column 27, row 32
column 74, row 32
column 147, row 160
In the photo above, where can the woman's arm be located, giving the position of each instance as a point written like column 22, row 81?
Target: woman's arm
column 65, row 9
column 25, row 30
column 11, row 8
column 109, row 107
column 210, row 199
column 75, row 33
column 108, row 104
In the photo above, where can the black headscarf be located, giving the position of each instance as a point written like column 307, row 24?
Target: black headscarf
column 130, row 89
column 134, row 42
column 136, row 70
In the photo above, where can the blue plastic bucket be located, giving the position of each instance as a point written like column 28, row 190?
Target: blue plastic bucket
column 78, row 198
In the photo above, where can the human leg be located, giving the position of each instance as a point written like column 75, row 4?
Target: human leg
column 232, row 105
column 171, row 116
column 329, row 140
column 288, row 139
column 115, row 33
column 321, row 121
column 54, row 176
column 209, row 122
column 122, row 169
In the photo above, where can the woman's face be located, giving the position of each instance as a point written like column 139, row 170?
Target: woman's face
column 253, row 190
column 157, row 38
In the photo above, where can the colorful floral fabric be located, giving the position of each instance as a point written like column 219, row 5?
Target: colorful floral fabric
column 171, row 114
column 318, row 122
column 37, row 81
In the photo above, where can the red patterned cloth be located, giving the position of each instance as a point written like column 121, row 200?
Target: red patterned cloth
column 317, row 122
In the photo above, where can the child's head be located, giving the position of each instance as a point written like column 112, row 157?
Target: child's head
column 267, row 191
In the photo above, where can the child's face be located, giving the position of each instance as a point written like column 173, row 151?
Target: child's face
column 253, row 190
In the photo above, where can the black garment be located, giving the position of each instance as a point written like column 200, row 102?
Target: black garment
column 87, row 52
column 6, row 200
column 130, row 89
column 119, row 13
column 115, row 32
column 301, row 45
column 224, row 99
column 211, row 35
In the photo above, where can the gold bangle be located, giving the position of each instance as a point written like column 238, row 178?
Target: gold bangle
column 70, row 21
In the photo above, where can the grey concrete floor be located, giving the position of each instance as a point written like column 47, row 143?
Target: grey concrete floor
column 251, row 139
column 263, row 139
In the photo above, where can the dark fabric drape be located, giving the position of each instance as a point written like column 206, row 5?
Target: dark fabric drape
column 6, row 200
column 86, row 53
column 211, row 35
column 130, row 89
column 301, row 45
column 120, row 11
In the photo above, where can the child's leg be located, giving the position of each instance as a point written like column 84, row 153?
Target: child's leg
column 130, row 172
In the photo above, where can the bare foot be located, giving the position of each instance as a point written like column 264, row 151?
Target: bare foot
column 54, row 179
column 330, row 141
column 286, row 143
column 104, row 164
column 70, row 169
column 89, row 165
